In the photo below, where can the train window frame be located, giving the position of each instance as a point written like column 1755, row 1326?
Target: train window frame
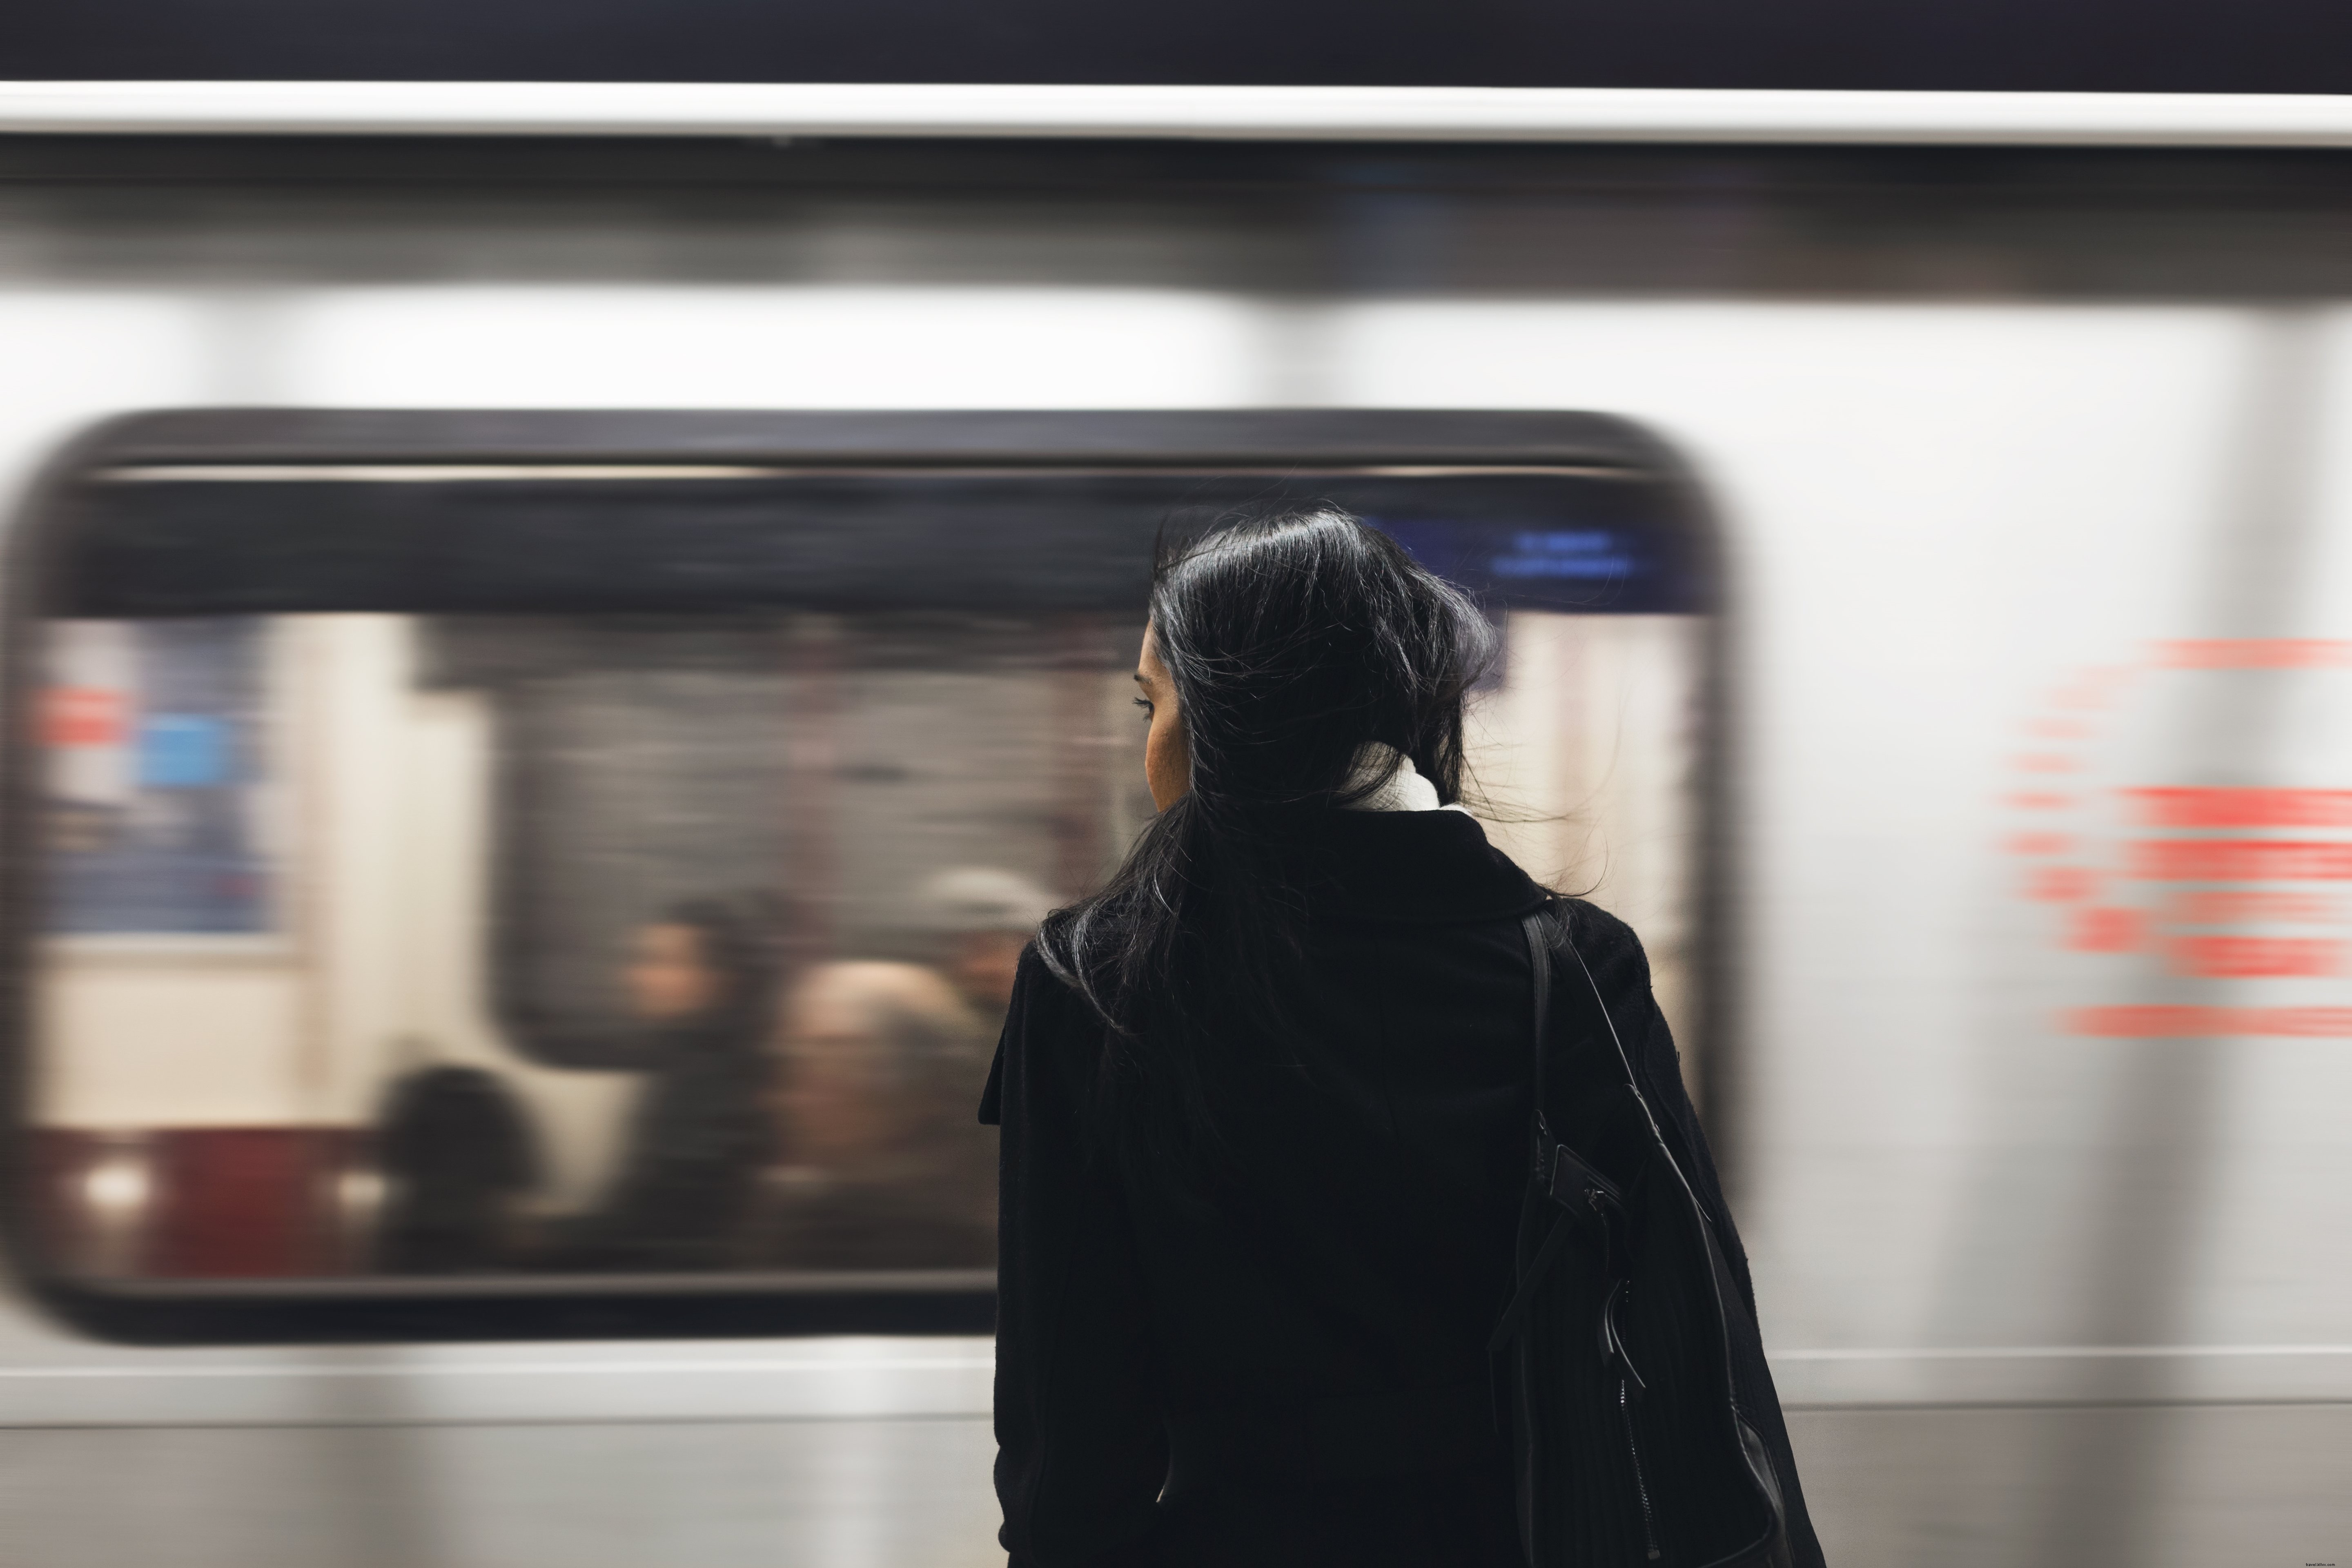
column 397, row 446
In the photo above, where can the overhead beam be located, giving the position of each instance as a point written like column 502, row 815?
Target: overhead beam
column 1244, row 113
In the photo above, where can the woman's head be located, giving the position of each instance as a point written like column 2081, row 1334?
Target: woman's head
column 703, row 961
column 1279, row 646
column 669, row 977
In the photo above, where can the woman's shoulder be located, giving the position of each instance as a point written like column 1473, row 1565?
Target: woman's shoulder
column 1609, row 947
column 1591, row 926
column 1046, row 1003
column 1043, row 1021
column 1033, row 980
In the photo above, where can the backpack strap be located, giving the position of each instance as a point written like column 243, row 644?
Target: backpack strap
column 1538, row 942
column 1561, row 1174
column 1583, row 1196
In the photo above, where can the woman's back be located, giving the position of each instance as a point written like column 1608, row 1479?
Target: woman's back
column 1384, row 1152
column 1319, row 1388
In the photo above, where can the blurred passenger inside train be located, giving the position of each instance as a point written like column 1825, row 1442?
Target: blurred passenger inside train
column 702, row 982
column 886, row 1167
column 984, row 917
column 459, row 1160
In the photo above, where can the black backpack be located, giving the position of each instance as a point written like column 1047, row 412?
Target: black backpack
column 1631, row 1441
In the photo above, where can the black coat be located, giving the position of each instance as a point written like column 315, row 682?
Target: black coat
column 1367, row 1264
column 697, row 1142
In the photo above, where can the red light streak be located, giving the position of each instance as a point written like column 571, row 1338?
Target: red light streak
column 2256, row 957
column 2106, row 930
column 2241, row 807
column 2061, row 884
column 2255, row 653
column 2242, row 909
column 2157, row 1022
column 2039, row 843
column 2239, row 861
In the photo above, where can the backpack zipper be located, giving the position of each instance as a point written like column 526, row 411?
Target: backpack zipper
column 1641, row 1484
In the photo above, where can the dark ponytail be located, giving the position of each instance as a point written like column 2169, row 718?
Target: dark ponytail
column 1292, row 641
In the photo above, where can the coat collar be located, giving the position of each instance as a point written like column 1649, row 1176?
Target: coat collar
column 1415, row 867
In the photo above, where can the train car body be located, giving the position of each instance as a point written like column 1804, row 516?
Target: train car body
column 1988, row 809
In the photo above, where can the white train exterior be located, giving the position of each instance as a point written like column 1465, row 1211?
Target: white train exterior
column 2032, row 474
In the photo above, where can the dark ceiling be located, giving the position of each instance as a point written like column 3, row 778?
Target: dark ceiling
column 2106, row 45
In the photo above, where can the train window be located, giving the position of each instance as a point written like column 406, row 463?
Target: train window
column 541, row 875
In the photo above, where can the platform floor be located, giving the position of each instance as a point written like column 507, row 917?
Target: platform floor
column 2150, row 1487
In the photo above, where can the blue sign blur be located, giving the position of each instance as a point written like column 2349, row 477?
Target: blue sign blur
column 178, row 853
column 183, row 751
column 1513, row 565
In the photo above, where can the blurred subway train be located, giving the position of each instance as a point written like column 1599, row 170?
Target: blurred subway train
column 549, row 675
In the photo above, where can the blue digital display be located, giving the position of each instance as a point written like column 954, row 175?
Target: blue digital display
column 1509, row 564
column 1578, row 555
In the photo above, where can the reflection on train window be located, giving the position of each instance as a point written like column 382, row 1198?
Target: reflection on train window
column 534, row 885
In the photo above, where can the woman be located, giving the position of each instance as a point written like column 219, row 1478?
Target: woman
column 1266, row 1104
column 702, row 982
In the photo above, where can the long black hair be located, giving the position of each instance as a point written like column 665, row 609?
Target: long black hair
column 1292, row 641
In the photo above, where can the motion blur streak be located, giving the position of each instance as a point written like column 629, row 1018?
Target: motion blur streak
column 2038, row 525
